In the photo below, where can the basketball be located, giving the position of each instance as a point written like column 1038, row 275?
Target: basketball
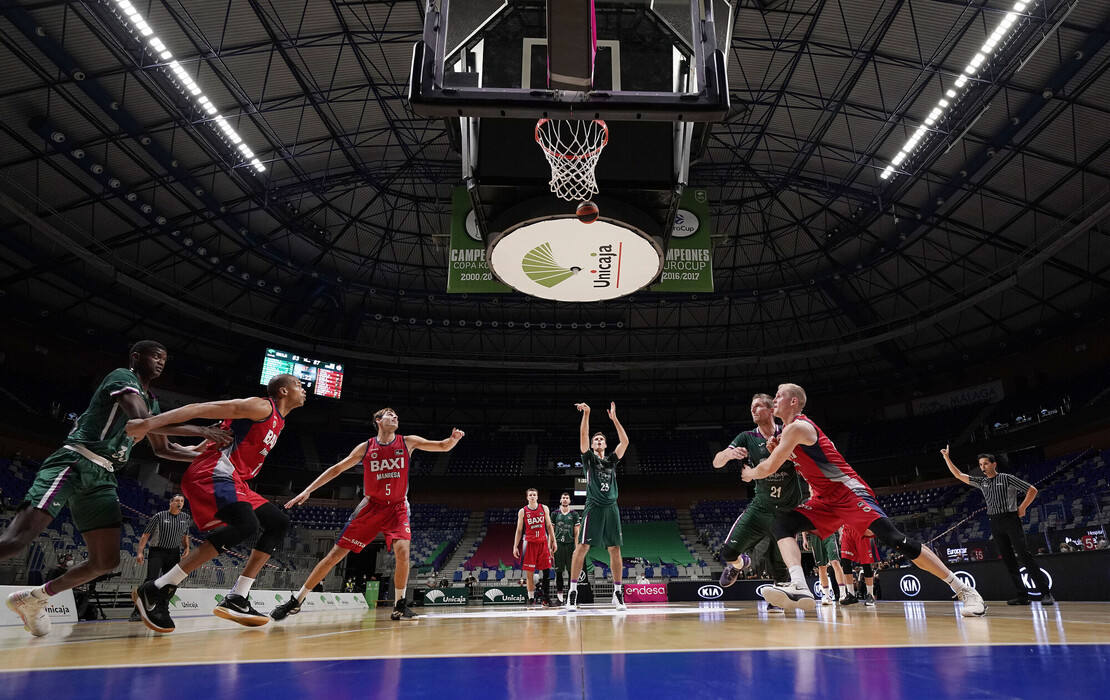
column 587, row 212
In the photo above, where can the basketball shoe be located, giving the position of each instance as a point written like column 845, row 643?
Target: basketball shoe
column 572, row 600
column 973, row 602
column 869, row 600
column 237, row 608
column 402, row 611
column 731, row 573
column 618, row 599
column 32, row 610
column 790, row 596
column 154, row 606
column 775, row 609
column 849, row 599
column 289, row 607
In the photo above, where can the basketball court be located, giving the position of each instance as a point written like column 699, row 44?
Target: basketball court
column 700, row 650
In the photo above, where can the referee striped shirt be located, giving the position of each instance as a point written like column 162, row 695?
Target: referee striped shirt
column 167, row 530
column 1003, row 493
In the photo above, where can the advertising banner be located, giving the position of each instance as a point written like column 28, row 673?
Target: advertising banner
column 744, row 589
column 645, row 593
column 505, row 595
column 989, row 392
column 372, row 593
column 455, row 595
column 1074, row 576
column 199, row 602
column 688, row 266
column 61, row 609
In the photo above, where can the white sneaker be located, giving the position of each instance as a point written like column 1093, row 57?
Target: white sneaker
column 572, row 600
column 618, row 600
column 973, row 602
column 827, row 599
column 790, row 597
column 33, row 611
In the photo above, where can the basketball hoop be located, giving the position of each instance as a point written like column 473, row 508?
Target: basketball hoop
column 572, row 148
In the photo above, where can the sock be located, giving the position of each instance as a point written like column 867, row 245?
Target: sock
column 840, row 589
column 573, row 586
column 399, row 595
column 173, row 577
column 797, row 576
column 954, row 583
column 301, row 594
column 41, row 592
column 618, row 587
column 242, row 586
column 871, row 589
column 531, row 595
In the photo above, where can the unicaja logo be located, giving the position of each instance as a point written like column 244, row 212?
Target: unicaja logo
column 910, row 585
column 495, row 594
column 540, row 266
column 711, row 592
column 433, row 596
column 965, row 578
column 1030, row 584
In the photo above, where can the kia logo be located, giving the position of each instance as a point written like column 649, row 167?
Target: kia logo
column 711, row 591
column 1030, row 584
column 965, row 578
column 910, row 585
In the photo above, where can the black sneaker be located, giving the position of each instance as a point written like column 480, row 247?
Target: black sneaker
column 153, row 604
column 1047, row 599
column 289, row 607
column 869, row 600
column 236, row 608
column 572, row 600
column 401, row 611
column 1020, row 600
column 849, row 599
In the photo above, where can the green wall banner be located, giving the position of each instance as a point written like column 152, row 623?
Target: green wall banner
column 505, row 595
column 468, row 270
column 456, row 595
column 688, row 266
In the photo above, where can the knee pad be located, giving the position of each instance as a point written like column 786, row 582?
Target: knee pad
column 274, row 526
column 789, row 525
column 868, row 572
column 886, row 533
column 240, row 525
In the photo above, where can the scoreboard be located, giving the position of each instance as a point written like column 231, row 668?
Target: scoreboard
column 320, row 377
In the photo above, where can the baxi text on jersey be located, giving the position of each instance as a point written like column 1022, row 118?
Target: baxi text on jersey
column 377, row 465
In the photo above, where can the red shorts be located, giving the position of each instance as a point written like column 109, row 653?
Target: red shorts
column 369, row 519
column 827, row 516
column 207, row 492
column 537, row 555
column 856, row 547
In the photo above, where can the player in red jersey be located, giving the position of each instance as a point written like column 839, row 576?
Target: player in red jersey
column 385, row 460
column 840, row 497
column 216, row 486
column 859, row 548
column 534, row 521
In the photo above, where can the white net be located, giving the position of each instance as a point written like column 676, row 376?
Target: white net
column 572, row 148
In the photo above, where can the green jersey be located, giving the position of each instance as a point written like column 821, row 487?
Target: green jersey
column 100, row 429
column 601, row 478
column 565, row 524
column 781, row 490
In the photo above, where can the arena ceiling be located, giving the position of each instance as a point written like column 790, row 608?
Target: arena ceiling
column 127, row 211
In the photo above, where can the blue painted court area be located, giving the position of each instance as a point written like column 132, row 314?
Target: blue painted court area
column 1081, row 671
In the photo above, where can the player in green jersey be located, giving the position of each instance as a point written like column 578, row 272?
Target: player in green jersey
column 826, row 553
column 567, row 524
column 772, row 496
column 82, row 475
column 601, row 520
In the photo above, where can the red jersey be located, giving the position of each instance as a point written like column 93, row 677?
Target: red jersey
column 250, row 444
column 830, row 476
column 385, row 475
column 535, row 524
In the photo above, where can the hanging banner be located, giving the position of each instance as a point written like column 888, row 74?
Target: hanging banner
column 688, row 266
column 468, row 270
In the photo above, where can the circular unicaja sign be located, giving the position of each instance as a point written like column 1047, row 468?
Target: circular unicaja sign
column 564, row 259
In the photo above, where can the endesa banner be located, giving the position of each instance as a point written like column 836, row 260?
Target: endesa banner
column 645, row 593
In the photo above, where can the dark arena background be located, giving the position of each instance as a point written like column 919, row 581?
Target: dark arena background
column 900, row 206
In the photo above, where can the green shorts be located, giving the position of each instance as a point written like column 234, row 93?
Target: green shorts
column 748, row 531
column 825, row 551
column 563, row 555
column 601, row 526
column 90, row 491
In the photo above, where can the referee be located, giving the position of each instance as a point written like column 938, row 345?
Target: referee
column 167, row 532
column 1001, row 493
